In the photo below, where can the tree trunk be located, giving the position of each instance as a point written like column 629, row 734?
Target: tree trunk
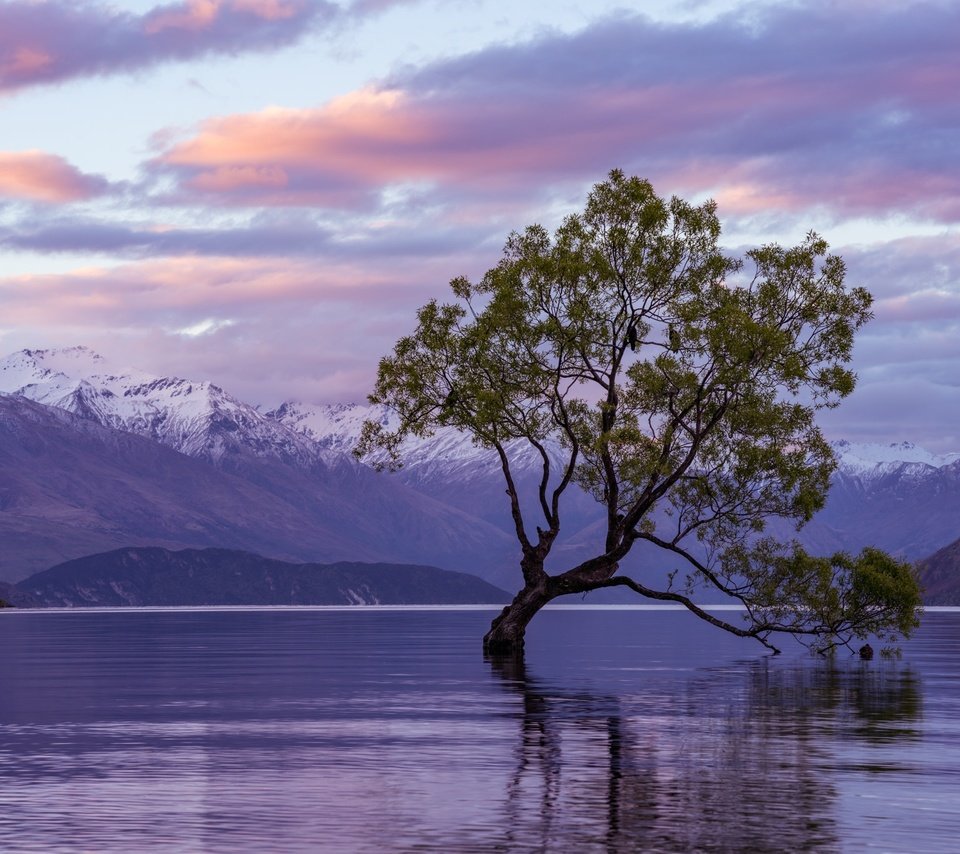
column 508, row 629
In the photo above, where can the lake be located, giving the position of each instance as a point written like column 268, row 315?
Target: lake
column 386, row 730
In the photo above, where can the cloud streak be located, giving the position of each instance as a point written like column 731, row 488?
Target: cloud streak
column 262, row 237
column 296, row 327
column 40, row 177
column 175, row 292
column 55, row 40
column 93, row 236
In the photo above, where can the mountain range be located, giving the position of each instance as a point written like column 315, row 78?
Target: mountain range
column 94, row 458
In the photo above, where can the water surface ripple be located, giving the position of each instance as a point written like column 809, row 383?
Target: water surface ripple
column 366, row 730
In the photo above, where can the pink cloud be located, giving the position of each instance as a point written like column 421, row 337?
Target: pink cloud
column 40, row 177
column 357, row 144
column 222, row 179
column 185, row 290
column 55, row 40
column 194, row 15
column 746, row 116
column 770, row 184
column 287, row 156
column 26, row 61
column 198, row 15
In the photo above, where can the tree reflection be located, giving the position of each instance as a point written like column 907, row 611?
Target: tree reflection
column 739, row 759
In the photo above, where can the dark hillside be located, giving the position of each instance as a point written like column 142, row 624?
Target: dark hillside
column 157, row 576
column 940, row 576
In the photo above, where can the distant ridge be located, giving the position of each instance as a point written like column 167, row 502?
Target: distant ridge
column 158, row 576
column 940, row 576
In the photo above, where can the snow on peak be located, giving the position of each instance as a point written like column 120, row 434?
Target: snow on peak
column 337, row 427
column 62, row 359
column 195, row 418
column 63, row 368
column 865, row 457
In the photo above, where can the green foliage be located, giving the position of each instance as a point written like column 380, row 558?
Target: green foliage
column 681, row 386
column 829, row 600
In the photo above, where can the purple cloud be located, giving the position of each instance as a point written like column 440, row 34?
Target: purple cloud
column 55, row 40
column 84, row 235
column 264, row 237
column 855, row 113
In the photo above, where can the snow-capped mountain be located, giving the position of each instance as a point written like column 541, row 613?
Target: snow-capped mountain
column 337, row 427
column 874, row 460
column 331, row 498
column 447, row 505
column 198, row 419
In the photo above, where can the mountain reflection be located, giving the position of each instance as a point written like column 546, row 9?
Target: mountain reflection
column 740, row 759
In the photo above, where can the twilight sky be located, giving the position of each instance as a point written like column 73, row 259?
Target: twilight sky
column 262, row 192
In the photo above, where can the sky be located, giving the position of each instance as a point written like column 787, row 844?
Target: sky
column 262, row 192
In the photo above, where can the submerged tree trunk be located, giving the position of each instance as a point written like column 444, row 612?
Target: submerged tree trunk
column 509, row 627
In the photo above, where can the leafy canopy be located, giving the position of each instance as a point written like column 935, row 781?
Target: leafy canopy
column 676, row 385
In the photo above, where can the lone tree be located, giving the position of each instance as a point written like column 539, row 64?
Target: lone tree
column 677, row 386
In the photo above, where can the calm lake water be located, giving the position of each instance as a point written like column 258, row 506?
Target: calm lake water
column 385, row 730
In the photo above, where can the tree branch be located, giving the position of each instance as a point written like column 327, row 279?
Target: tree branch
column 515, row 510
column 758, row 633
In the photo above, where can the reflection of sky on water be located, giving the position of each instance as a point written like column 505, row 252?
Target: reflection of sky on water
column 246, row 730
